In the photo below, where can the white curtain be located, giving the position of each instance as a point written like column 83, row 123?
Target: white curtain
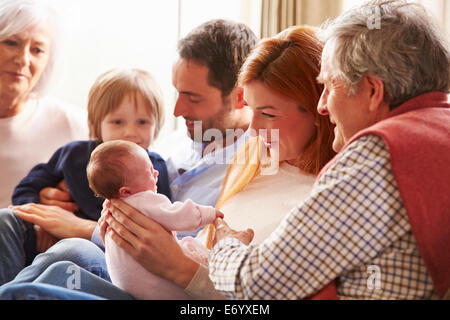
column 441, row 10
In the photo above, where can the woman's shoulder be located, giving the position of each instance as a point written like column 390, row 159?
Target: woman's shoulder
column 59, row 106
column 64, row 114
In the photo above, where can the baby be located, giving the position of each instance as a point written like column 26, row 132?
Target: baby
column 121, row 169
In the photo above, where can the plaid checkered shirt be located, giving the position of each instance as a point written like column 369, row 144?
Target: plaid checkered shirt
column 353, row 228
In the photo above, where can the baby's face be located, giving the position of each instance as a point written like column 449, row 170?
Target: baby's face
column 145, row 176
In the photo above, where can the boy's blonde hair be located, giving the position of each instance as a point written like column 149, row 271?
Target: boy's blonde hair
column 112, row 86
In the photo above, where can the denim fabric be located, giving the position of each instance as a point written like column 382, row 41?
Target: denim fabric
column 41, row 291
column 17, row 245
column 69, row 275
column 79, row 251
column 71, row 269
column 64, row 281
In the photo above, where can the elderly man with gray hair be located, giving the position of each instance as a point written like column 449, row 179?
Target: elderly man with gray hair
column 377, row 223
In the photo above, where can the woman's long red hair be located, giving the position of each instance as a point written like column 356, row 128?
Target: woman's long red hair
column 289, row 64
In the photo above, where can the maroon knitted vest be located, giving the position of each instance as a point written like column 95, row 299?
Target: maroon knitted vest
column 417, row 135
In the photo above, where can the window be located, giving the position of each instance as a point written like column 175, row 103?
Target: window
column 103, row 34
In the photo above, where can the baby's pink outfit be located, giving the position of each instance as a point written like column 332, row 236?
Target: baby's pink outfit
column 128, row 274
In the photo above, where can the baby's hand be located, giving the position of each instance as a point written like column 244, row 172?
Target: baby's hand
column 219, row 214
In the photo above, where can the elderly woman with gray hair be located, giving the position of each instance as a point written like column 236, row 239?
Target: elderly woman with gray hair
column 376, row 225
column 32, row 126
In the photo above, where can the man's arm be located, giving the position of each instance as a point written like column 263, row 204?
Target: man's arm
column 347, row 221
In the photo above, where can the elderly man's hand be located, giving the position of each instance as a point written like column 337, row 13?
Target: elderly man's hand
column 224, row 231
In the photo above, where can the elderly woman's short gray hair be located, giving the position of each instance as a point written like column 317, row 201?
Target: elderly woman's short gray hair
column 395, row 41
column 19, row 15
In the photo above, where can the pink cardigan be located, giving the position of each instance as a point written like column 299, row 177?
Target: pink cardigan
column 417, row 135
column 130, row 275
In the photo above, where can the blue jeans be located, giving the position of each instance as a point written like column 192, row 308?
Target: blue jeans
column 64, row 281
column 17, row 245
column 42, row 291
column 71, row 269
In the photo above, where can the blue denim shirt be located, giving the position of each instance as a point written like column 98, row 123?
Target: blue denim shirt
column 195, row 176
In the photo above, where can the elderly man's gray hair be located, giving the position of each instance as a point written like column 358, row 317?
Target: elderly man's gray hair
column 395, row 41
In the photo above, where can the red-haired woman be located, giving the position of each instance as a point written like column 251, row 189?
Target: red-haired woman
column 279, row 81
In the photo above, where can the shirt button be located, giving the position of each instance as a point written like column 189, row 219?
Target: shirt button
column 175, row 187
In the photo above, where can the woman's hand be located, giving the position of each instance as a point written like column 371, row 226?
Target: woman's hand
column 58, row 222
column 224, row 231
column 59, row 196
column 149, row 243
